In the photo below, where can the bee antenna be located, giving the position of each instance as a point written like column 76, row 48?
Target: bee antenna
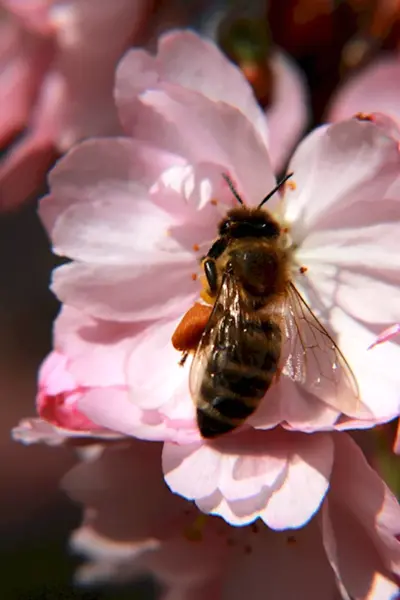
column 276, row 188
column 232, row 188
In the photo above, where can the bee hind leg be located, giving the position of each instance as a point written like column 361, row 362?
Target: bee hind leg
column 183, row 358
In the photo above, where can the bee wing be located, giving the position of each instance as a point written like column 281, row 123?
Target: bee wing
column 221, row 332
column 312, row 358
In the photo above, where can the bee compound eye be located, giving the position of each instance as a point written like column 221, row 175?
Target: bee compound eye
column 211, row 274
column 224, row 227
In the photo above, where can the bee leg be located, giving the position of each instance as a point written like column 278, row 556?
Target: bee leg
column 210, row 270
column 183, row 359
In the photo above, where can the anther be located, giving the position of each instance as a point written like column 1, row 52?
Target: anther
column 361, row 116
column 214, row 202
column 194, row 276
column 291, row 185
column 196, row 247
column 303, row 270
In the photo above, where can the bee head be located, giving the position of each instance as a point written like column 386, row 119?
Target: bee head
column 249, row 222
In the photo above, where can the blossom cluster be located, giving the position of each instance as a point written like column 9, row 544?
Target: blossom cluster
column 288, row 501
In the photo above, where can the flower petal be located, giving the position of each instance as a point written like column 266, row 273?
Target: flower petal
column 360, row 522
column 125, row 293
column 172, row 117
column 253, row 474
column 185, row 59
column 288, row 113
column 375, row 88
column 306, row 483
column 365, row 162
column 279, row 566
column 99, row 209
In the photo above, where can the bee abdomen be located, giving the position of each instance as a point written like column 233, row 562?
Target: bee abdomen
column 236, row 379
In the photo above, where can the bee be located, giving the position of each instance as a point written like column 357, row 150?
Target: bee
column 254, row 325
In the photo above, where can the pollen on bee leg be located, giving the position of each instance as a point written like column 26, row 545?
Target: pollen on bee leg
column 186, row 336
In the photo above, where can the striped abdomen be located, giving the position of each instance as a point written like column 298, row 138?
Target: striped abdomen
column 239, row 371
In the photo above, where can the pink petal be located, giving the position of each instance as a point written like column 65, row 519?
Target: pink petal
column 360, row 524
column 97, row 351
column 33, row 157
column 115, row 410
column 366, row 162
column 122, row 513
column 100, row 209
column 288, row 114
column 86, row 107
column 154, row 347
column 295, row 408
column 377, row 372
column 251, row 474
column 171, row 117
column 24, row 58
column 374, row 89
column 121, row 293
column 280, row 566
column 34, row 431
column 386, row 335
column 305, row 485
column 34, row 15
column 187, row 60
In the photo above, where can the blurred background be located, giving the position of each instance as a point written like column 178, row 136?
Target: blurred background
column 331, row 42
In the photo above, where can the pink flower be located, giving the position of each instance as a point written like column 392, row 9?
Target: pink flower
column 376, row 88
column 134, row 526
column 135, row 215
column 132, row 216
column 57, row 79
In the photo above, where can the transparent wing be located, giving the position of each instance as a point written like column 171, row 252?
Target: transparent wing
column 312, row 358
column 222, row 336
